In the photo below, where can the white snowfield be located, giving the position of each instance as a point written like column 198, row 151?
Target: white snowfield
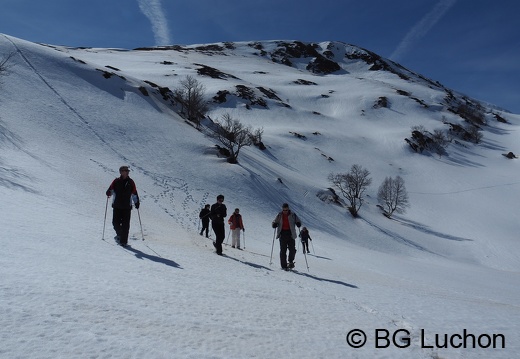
column 439, row 281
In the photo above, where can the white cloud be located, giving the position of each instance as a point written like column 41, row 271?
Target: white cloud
column 422, row 28
column 152, row 9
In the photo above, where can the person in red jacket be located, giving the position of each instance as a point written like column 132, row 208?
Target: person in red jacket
column 124, row 193
column 235, row 225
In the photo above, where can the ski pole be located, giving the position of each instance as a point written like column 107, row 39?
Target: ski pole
column 313, row 251
column 140, row 224
column 227, row 240
column 105, row 221
column 272, row 248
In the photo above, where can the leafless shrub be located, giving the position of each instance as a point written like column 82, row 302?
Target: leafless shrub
column 392, row 196
column 233, row 135
column 352, row 186
column 190, row 95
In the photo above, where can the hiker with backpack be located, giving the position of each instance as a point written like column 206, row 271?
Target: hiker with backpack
column 305, row 237
column 204, row 217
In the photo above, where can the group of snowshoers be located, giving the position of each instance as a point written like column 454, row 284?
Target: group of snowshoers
column 285, row 224
column 124, row 193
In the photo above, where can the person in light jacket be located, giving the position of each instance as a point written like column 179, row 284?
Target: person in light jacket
column 286, row 233
column 235, row 225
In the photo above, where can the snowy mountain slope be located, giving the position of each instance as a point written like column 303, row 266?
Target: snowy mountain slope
column 66, row 129
column 335, row 117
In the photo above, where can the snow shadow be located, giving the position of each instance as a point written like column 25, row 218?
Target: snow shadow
column 254, row 265
column 327, row 280
column 397, row 237
column 425, row 229
column 11, row 177
column 319, row 257
column 497, row 130
column 141, row 255
column 461, row 158
column 492, row 145
column 14, row 178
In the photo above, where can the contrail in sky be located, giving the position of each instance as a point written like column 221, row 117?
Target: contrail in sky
column 422, row 27
column 152, row 9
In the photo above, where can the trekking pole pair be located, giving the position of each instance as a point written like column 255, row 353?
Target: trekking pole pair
column 140, row 224
column 227, row 240
column 105, row 222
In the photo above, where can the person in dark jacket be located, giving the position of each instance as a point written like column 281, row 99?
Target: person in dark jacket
column 124, row 193
column 305, row 237
column 285, row 222
column 218, row 214
column 204, row 217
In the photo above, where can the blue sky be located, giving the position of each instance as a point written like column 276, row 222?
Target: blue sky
column 471, row 46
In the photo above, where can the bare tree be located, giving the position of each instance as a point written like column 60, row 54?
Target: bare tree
column 190, row 94
column 233, row 135
column 392, row 196
column 256, row 137
column 352, row 186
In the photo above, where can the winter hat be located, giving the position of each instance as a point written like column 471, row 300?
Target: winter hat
column 124, row 168
column 220, row 196
column 285, row 205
